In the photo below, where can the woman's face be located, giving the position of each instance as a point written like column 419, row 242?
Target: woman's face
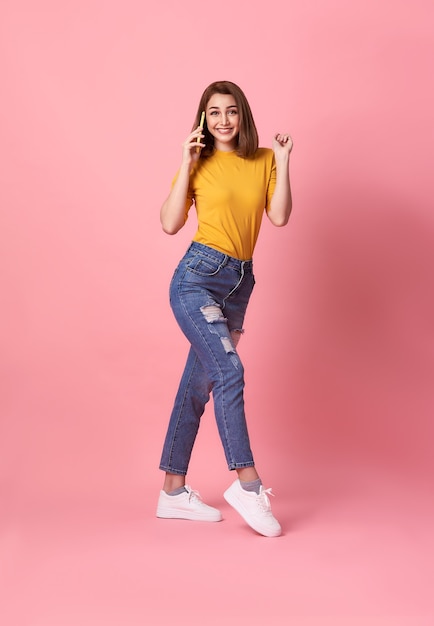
column 223, row 121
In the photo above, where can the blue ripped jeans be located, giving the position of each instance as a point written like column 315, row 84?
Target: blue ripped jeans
column 209, row 294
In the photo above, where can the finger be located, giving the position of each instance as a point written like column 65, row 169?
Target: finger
column 196, row 140
column 282, row 137
column 194, row 137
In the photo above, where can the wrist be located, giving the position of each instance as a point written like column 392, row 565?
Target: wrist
column 282, row 159
column 186, row 167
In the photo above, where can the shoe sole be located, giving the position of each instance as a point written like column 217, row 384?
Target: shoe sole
column 232, row 499
column 178, row 514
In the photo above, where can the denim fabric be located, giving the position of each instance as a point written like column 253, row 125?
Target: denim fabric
column 209, row 293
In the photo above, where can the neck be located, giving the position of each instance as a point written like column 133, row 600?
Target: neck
column 225, row 147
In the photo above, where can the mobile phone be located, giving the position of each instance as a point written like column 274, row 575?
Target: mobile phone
column 202, row 120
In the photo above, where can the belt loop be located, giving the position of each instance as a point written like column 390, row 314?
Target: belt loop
column 224, row 261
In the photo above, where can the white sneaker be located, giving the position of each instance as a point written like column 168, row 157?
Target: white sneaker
column 254, row 508
column 186, row 505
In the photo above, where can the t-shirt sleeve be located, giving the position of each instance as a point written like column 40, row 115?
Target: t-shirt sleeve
column 189, row 199
column 271, row 183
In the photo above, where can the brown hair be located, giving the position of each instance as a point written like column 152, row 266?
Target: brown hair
column 248, row 135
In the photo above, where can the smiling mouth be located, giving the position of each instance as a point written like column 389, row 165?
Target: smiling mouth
column 224, row 130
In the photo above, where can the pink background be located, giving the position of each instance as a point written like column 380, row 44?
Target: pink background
column 96, row 99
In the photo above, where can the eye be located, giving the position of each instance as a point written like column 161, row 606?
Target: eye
column 233, row 112
column 214, row 113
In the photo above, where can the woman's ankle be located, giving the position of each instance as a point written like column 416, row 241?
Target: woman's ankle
column 172, row 482
column 247, row 474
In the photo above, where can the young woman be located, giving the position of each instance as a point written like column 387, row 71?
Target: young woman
column 231, row 181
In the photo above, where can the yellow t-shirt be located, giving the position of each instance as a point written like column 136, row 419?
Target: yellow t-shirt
column 230, row 194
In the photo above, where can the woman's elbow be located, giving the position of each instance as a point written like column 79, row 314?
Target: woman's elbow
column 279, row 220
column 170, row 229
column 171, row 224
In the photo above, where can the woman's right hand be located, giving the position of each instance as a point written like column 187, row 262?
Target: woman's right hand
column 191, row 147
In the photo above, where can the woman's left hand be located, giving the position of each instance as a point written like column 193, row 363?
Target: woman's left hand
column 282, row 144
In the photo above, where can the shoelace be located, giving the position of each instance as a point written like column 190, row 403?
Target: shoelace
column 263, row 499
column 193, row 495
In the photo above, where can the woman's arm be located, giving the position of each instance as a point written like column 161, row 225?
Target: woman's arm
column 172, row 213
column 281, row 202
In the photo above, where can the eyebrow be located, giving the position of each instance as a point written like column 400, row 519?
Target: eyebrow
column 231, row 106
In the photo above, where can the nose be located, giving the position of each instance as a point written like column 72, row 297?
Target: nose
column 225, row 119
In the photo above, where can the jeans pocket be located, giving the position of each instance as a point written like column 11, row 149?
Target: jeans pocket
column 204, row 266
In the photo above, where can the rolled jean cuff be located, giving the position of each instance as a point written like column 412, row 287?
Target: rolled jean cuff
column 170, row 470
column 235, row 466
